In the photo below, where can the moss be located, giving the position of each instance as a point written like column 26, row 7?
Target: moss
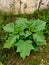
column 43, row 14
column 35, row 62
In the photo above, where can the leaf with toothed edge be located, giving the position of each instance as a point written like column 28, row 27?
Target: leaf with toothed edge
column 24, row 47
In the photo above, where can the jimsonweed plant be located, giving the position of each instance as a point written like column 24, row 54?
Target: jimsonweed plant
column 25, row 35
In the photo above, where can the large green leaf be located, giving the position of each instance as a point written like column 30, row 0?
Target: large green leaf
column 38, row 25
column 9, row 27
column 39, row 38
column 24, row 47
column 11, row 41
column 20, row 24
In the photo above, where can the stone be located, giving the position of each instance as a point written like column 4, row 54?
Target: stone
column 23, row 6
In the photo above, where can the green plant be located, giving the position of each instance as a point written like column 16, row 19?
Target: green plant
column 25, row 35
column 1, row 63
column 1, row 23
column 43, row 15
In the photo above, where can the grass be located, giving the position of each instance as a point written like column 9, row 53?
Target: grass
column 9, row 57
